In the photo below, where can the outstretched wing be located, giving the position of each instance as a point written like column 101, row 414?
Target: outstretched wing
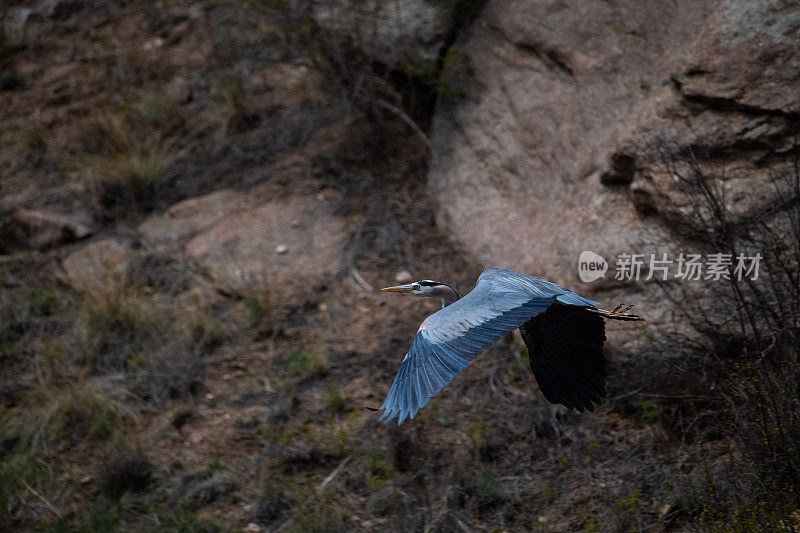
column 449, row 339
column 565, row 345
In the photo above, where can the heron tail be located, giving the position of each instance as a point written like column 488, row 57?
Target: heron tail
column 619, row 313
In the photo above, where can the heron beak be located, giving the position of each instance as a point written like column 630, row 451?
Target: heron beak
column 399, row 288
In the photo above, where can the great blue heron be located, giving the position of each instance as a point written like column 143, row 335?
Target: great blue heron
column 564, row 334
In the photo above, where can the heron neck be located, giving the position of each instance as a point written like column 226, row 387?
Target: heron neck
column 448, row 295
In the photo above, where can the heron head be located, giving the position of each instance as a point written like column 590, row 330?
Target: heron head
column 418, row 288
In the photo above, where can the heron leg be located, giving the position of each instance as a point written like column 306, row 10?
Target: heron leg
column 620, row 313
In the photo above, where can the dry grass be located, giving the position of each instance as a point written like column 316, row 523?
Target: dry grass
column 128, row 157
column 258, row 293
column 46, row 418
column 117, row 323
column 125, row 325
column 76, row 410
column 123, row 334
column 119, row 157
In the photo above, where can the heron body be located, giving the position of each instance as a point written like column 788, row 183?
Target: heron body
column 564, row 333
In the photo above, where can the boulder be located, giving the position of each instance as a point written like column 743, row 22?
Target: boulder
column 289, row 244
column 36, row 229
column 97, row 264
column 185, row 219
column 391, row 32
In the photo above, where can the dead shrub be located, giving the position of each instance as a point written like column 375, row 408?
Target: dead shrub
column 751, row 329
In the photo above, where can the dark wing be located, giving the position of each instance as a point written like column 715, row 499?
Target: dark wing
column 449, row 339
column 565, row 345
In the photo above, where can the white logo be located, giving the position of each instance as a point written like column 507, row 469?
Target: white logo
column 591, row 266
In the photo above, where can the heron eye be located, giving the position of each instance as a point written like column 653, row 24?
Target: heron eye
column 417, row 287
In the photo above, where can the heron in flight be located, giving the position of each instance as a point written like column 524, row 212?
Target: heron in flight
column 564, row 333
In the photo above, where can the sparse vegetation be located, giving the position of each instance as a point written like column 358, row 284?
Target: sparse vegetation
column 338, row 442
column 42, row 302
column 51, row 414
column 258, row 310
column 591, row 525
column 274, row 497
column 548, row 491
column 520, row 369
column 105, row 514
column 115, row 314
column 336, row 400
column 379, row 471
column 629, row 507
column 484, row 487
column 31, row 432
column 162, row 113
column 256, row 292
column 233, row 98
column 306, row 362
column 126, row 155
column 640, row 411
column 381, row 503
column 321, row 520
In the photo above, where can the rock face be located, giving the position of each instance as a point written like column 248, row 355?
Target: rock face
column 733, row 100
column 747, row 57
column 551, row 151
column 33, row 229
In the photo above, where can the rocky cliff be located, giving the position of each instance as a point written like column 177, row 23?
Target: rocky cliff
column 558, row 145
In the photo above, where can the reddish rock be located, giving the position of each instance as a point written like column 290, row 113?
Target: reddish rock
column 748, row 56
column 282, row 243
column 185, row 219
column 38, row 229
column 97, row 264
